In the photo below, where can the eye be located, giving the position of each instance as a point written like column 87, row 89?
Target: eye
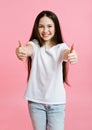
column 40, row 26
column 49, row 26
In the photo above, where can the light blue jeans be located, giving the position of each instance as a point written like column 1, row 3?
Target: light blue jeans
column 49, row 117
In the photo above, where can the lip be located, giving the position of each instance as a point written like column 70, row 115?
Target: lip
column 46, row 35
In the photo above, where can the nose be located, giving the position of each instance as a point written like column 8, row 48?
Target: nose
column 45, row 29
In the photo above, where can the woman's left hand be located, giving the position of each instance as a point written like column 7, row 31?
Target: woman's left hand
column 72, row 56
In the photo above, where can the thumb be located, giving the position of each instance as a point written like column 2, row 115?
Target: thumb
column 20, row 44
column 72, row 48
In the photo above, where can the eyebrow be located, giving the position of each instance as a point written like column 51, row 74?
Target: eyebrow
column 47, row 24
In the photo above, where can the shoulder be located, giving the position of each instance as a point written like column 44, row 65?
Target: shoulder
column 62, row 46
column 34, row 43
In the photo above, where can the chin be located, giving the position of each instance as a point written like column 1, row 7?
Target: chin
column 46, row 39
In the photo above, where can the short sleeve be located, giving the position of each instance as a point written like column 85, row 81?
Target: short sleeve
column 35, row 45
column 61, row 50
column 65, row 46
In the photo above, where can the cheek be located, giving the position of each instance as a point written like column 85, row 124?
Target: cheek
column 39, row 31
column 53, row 31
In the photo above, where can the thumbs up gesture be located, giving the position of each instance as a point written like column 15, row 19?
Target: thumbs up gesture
column 20, row 44
column 19, row 51
column 23, row 52
column 72, row 56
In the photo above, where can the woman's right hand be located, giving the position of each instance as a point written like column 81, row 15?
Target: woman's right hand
column 23, row 52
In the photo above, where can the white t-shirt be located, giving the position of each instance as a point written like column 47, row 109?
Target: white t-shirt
column 45, row 83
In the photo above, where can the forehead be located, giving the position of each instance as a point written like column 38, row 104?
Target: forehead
column 46, row 20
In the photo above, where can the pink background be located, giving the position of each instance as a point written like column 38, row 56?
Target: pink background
column 16, row 22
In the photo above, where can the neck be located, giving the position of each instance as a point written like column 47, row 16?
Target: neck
column 49, row 44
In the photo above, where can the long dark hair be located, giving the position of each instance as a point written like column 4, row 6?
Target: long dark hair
column 58, row 39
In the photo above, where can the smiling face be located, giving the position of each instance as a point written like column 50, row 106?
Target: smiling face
column 46, row 29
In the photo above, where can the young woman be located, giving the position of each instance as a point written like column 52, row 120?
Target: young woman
column 47, row 56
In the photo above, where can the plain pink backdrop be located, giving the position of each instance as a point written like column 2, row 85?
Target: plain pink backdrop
column 16, row 22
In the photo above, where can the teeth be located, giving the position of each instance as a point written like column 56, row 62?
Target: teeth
column 45, row 35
